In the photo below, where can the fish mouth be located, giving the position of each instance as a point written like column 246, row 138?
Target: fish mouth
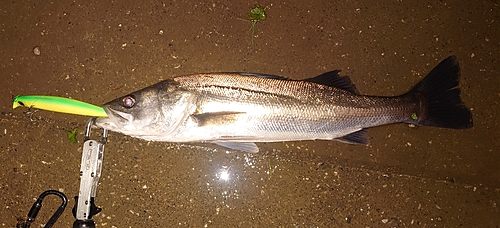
column 116, row 120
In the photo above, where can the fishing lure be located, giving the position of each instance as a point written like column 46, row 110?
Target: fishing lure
column 59, row 104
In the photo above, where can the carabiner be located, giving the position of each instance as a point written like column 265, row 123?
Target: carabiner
column 38, row 205
column 86, row 134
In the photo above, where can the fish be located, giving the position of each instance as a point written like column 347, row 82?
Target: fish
column 238, row 110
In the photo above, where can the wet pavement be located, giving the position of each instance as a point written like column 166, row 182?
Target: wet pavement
column 406, row 177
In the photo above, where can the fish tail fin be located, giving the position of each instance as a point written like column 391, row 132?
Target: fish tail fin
column 439, row 98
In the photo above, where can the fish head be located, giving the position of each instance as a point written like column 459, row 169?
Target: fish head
column 150, row 113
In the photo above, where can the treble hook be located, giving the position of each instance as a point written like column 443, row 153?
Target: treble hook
column 38, row 205
column 31, row 113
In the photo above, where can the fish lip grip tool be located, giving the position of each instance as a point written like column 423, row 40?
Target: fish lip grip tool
column 90, row 173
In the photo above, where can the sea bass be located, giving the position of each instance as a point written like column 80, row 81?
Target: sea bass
column 235, row 110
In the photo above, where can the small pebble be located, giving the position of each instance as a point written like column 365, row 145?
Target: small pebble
column 36, row 50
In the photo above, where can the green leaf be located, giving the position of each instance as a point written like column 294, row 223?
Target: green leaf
column 72, row 135
column 256, row 14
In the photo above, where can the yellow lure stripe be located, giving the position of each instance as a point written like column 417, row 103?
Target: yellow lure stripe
column 59, row 104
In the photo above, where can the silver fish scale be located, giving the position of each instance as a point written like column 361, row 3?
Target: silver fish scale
column 302, row 113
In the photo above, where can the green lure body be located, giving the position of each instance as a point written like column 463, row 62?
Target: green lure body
column 59, row 104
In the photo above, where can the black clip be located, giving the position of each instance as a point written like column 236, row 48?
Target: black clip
column 38, row 205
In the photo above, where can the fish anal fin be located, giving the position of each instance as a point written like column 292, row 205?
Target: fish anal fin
column 357, row 137
column 217, row 118
column 241, row 146
column 333, row 79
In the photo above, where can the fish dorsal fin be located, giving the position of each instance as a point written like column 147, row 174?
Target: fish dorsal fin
column 241, row 146
column 333, row 79
column 262, row 75
column 357, row 137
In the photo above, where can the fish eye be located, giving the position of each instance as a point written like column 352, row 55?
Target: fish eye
column 128, row 101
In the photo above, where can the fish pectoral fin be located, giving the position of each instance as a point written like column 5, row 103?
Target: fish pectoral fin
column 357, row 137
column 216, row 118
column 241, row 146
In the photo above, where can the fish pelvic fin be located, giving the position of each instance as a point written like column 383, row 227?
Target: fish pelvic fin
column 439, row 97
column 241, row 146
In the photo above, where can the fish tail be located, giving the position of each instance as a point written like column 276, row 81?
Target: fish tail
column 439, row 98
